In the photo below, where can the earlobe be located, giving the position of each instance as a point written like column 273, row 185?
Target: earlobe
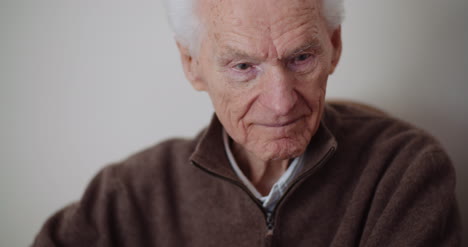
column 191, row 68
column 337, row 47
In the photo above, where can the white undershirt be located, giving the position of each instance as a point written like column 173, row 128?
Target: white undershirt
column 269, row 201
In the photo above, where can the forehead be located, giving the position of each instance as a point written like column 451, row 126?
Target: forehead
column 259, row 22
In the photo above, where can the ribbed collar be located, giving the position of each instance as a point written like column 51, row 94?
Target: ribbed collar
column 210, row 155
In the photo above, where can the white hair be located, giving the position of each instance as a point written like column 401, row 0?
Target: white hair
column 187, row 28
column 333, row 11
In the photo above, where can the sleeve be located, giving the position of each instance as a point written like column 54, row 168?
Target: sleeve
column 422, row 209
column 89, row 221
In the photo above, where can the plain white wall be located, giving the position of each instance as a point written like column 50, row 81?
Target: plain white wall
column 86, row 83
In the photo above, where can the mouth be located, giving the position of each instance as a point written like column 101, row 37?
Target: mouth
column 281, row 124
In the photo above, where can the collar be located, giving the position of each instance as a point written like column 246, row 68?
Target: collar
column 210, row 155
column 279, row 185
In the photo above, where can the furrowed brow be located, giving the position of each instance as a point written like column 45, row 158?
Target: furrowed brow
column 230, row 53
column 313, row 45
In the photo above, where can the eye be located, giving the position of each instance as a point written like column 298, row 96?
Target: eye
column 302, row 63
column 242, row 66
column 301, row 58
column 242, row 71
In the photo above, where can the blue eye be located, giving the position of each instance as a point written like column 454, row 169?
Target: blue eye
column 301, row 58
column 242, row 66
column 302, row 63
column 242, row 71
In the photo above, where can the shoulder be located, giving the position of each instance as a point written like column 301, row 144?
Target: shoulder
column 160, row 161
column 377, row 143
column 119, row 191
column 386, row 150
column 153, row 168
column 166, row 153
column 372, row 127
column 399, row 171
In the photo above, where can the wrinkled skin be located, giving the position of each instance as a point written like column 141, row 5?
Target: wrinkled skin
column 265, row 65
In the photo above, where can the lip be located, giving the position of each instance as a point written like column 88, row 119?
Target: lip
column 280, row 124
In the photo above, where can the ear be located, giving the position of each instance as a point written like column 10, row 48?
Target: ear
column 191, row 68
column 337, row 47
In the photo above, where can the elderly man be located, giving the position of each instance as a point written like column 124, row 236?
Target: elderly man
column 276, row 166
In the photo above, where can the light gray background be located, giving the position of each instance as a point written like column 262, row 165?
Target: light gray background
column 85, row 83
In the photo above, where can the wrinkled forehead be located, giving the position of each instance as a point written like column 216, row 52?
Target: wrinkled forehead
column 256, row 16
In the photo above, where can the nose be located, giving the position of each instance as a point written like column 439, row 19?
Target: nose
column 278, row 94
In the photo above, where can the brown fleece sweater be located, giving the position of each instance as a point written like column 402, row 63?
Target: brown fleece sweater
column 368, row 180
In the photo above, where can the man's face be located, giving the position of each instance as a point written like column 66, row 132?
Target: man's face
column 265, row 66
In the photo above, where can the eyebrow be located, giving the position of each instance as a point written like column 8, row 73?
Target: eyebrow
column 311, row 45
column 232, row 53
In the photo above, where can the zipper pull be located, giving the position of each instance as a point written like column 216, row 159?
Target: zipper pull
column 269, row 232
column 269, row 221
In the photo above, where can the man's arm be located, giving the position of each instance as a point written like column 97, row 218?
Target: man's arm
column 421, row 211
column 90, row 221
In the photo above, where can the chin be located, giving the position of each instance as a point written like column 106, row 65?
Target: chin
column 283, row 149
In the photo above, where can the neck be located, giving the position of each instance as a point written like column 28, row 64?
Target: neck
column 262, row 174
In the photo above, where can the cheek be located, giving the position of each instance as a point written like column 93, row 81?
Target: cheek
column 228, row 101
column 312, row 89
column 231, row 105
column 317, row 78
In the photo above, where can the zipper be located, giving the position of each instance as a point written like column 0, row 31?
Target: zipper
column 235, row 183
column 300, row 178
column 269, row 221
column 270, row 216
column 269, row 233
